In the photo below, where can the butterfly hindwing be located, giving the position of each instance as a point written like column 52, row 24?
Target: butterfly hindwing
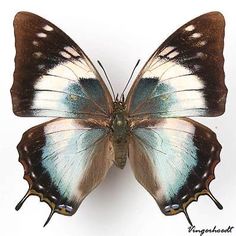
column 53, row 76
column 184, row 76
column 174, row 159
column 64, row 160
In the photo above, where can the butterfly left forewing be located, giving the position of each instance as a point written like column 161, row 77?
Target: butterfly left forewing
column 184, row 76
column 174, row 159
column 64, row 160
column 53, row 76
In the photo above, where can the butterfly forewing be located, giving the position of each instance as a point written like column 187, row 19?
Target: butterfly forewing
column 174, row 159
column 53, row 76
column 184, row 76
column 64, row 160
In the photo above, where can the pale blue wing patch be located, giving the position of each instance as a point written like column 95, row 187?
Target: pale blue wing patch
column 69, row 90
column 64, row 160
column 162, row 99
column 174, row 159
column 172, row 152
column 67, row 154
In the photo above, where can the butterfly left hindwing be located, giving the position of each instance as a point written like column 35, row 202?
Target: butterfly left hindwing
column 64, row 160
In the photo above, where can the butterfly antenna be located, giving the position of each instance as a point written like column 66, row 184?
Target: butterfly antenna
column 122, row 94
column 100, row 64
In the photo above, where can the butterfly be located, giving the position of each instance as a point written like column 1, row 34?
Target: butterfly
column 173, row 157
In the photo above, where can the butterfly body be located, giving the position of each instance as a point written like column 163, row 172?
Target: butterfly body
column 120, row 130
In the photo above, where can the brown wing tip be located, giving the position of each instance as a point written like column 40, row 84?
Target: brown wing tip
column 214, row 15
column 19, row 15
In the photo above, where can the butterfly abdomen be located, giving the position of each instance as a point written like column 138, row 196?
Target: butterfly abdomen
column 121, row 151
column 120, row 131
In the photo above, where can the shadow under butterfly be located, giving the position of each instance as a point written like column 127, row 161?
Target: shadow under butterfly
column 172, row 156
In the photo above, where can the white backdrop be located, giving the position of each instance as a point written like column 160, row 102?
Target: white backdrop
column 118, row 33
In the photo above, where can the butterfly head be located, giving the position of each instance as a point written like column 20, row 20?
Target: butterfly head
column 119, row 121
column 119, row 104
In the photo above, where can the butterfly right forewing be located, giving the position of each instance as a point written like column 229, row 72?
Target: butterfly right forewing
column 184, row 76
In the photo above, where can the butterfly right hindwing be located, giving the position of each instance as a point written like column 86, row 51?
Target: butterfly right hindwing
column 174, row 159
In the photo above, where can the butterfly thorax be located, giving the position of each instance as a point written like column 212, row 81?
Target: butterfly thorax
column 120, row 131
